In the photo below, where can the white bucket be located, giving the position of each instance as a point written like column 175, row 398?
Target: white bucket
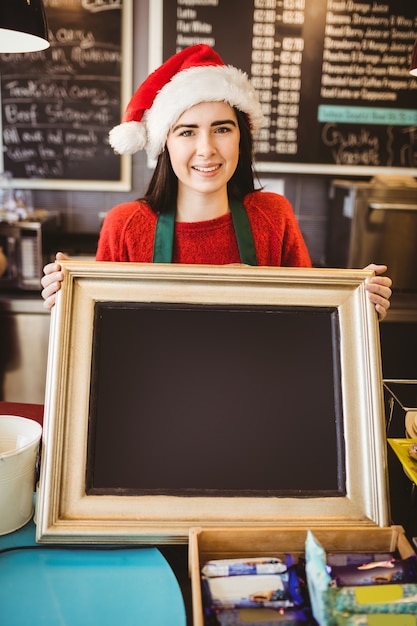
column 19, row 448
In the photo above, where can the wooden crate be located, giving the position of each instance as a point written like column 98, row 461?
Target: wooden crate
column 223, row 543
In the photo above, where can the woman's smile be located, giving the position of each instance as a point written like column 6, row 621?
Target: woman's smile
column 206, row 169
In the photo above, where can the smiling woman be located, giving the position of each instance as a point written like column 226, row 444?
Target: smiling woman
column 197, row 117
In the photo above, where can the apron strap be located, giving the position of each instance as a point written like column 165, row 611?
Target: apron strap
column 164, row 235
column 243, row 232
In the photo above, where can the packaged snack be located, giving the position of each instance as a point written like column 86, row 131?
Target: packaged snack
column 264, row 617
column 318, row 580
column 280, row 590
column 387, row 599
column 243, row 567
column 390, row 572
column 268, row 590
column 376, row 619
column 358, row 558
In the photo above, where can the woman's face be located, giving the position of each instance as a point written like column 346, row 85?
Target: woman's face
column 203, row 146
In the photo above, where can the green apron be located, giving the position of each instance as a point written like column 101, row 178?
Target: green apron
column 165, row 226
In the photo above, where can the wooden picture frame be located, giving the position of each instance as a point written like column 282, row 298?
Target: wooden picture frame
column 111, row 322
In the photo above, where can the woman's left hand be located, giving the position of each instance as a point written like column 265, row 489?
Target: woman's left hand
column 379, row 289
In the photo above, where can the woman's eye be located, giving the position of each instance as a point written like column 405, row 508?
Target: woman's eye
column 222, row 129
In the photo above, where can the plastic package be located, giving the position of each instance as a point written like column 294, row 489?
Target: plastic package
column 251, row 590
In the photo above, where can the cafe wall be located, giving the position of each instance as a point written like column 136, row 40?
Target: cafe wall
column 82, row 210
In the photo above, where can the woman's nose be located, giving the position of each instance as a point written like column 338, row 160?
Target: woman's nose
column 205, row 144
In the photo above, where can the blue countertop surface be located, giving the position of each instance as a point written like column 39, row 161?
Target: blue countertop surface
column 92, row 585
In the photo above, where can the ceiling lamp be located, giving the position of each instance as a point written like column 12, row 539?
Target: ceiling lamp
column 413, row 68
column 23, row 26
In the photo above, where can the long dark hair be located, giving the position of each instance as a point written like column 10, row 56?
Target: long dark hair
column 163, row 187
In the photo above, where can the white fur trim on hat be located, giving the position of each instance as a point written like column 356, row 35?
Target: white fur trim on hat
column 128, row 137
column 213, row 83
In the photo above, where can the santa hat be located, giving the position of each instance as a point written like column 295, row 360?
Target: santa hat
column 196, row 74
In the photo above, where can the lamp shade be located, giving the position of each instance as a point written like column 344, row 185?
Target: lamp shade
column 23, row 26
column 413, row 68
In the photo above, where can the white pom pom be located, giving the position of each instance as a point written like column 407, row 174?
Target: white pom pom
column 128, row 137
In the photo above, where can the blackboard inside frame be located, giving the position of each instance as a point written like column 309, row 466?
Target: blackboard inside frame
column 128, row 453
column 222, row 382
column 58, row 105
column 332, row 77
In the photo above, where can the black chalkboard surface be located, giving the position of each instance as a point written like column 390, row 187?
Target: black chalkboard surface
column 58, row 105
column 332, row 76
column 196, row 400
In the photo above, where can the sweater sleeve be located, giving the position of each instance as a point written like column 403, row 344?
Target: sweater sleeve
column 110, row 243
column 294, row 248
column 127, row 234
column 277, row 235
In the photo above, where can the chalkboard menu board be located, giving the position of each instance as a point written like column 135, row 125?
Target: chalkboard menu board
column 332, row 76
column 58, row 105
column 227, row 387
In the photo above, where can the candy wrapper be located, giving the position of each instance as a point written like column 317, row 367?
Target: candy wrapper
column 318, row 581
column 251, row 589
column 264, row 617
column 388, row 600
column 375, row 573
column 243, row 567
column 340, row 559
column 267, row 590
column 377, row 619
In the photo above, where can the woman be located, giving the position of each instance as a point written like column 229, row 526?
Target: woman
column 196, row 116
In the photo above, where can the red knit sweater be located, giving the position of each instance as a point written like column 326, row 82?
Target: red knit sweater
column 128, row 235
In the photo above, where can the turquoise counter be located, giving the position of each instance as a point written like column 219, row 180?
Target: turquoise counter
column 95, row 585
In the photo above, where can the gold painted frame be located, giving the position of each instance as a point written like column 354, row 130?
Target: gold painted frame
column 64, row 512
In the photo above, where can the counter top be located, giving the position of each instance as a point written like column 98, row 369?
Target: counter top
column 403, row 307
column 31, row 411
column 101, row 586
column 22, row 302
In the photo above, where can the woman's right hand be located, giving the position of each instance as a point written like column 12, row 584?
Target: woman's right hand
column 51, row 280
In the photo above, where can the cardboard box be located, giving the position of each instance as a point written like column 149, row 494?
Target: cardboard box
column 221, row 543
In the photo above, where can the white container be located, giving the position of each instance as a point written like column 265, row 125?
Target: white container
column 19, row 449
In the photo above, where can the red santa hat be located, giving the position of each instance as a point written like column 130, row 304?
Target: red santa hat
column 196, row 74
